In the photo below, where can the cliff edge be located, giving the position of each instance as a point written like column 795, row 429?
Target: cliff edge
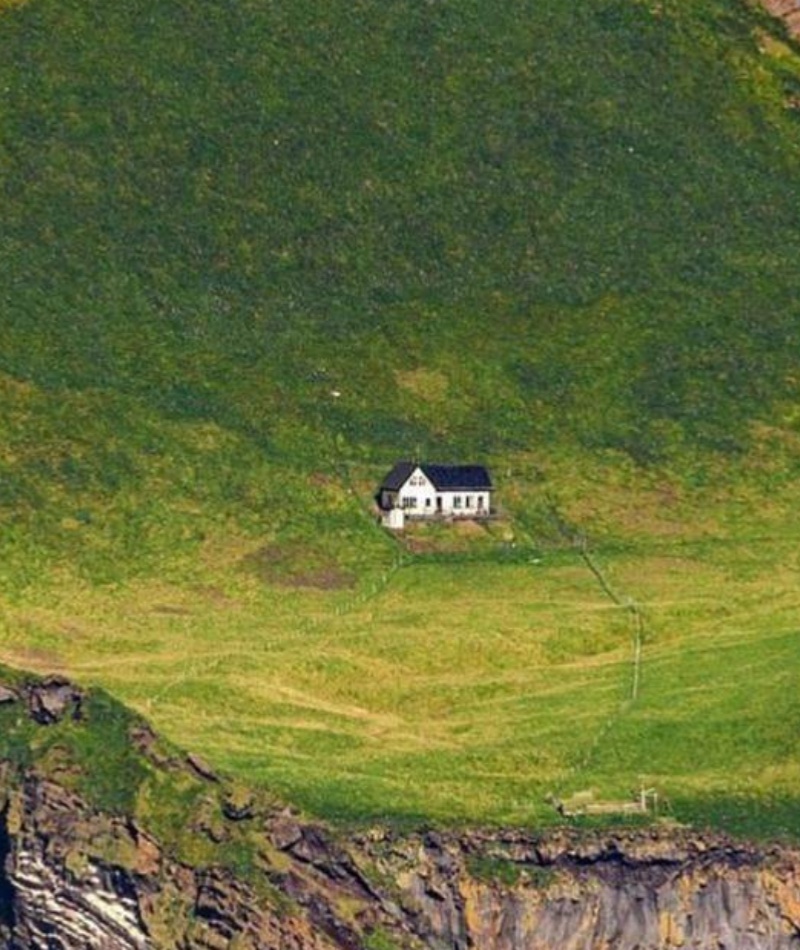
column 110, row 838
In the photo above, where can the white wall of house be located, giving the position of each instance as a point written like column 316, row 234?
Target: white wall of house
column 418, row 498
column 395, row 519
column 466, row 504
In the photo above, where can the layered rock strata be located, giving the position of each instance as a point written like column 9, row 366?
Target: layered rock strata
column 662, row 889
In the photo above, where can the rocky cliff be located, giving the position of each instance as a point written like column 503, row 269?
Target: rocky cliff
column 654, row 889
column 786, row 10
column 174, row 856
column 188, row 861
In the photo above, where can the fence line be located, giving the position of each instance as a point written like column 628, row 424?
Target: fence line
column 579, row 541
column 628, row 604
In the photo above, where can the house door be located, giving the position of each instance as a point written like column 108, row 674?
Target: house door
column 439, row 503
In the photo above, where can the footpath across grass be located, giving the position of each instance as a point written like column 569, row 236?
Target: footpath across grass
column 465, row 689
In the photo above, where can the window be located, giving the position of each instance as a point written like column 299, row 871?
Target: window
column 427, row 502
column 480, row 502
column 410, row 502
column 468, row 501
column 456, row 501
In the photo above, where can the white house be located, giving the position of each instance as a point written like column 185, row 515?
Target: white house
column 430, row 491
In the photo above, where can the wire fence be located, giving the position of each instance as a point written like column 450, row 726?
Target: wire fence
column 579, row 541
column 626, row 603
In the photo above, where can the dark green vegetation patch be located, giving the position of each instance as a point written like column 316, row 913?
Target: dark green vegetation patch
column 228, row 210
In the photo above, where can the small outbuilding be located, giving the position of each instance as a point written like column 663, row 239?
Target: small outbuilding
column 421, row 491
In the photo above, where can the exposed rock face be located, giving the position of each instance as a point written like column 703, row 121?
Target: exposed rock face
column 52, row 699
column 77, row 879
column 786, row 10
column 53, row 903
column 7, row 915
column 75, row 876
column 634, row 892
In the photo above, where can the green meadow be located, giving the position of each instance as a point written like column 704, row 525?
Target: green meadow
column 465, row 674
column 253, row 253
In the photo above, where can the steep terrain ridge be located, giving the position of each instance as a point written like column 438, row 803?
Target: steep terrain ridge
column 81, row 879
column 75, row 875
column 788, row 11
column 78, row 876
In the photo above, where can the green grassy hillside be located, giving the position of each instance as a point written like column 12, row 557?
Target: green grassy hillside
column 254, row 252
column 582, row 216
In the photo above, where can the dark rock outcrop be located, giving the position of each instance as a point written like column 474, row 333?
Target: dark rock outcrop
column 7, row 896
column 52, row 699
column 81, row 879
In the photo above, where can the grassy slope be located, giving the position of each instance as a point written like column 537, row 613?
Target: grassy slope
column 557, row 239
column 610, row 190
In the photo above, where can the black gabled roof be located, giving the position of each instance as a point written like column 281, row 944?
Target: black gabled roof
column 457, row 476
column 443, row 477
column 398, row 476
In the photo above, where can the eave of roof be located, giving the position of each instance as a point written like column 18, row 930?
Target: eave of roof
column 442, row 477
